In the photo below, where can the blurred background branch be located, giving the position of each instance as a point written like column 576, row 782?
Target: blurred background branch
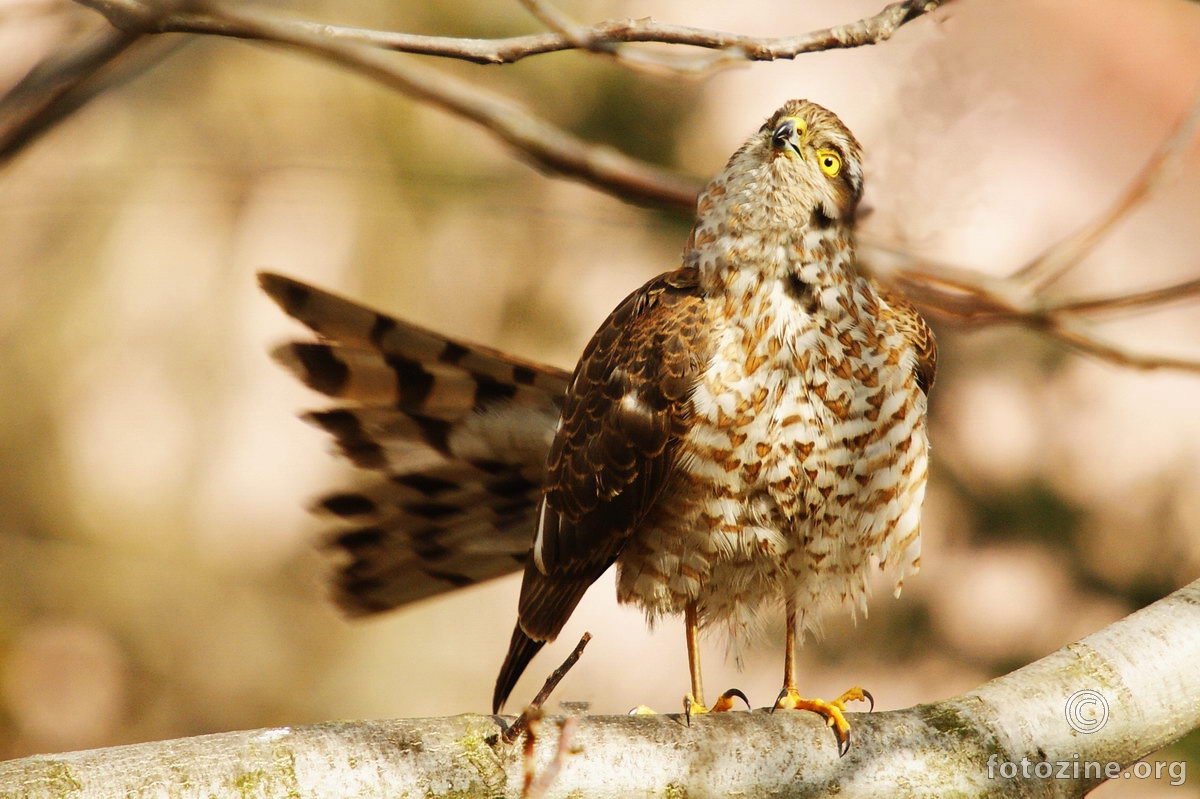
column 1024, row 298
column 67, row 79
column 953, row 293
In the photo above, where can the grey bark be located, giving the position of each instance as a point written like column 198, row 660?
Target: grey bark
column 1145, row 667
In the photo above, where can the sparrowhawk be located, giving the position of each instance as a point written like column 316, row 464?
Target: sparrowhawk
column 745, row 432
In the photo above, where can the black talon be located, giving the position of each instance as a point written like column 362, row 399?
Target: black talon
column 844, row 746
column 782, row 694
column 870, row 699
column 735, row 692
column 687, row 710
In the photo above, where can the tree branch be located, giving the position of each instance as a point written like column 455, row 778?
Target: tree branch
column 1135, row 300
column 66, row 81
column 961, row 295
column 155, row 16
column 1023, row 298
column 542, row 143
column 1142, row 668
column 1066, row 254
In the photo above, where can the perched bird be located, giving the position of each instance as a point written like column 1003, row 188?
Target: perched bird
column 745, row 432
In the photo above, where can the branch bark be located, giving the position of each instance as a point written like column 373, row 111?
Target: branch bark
column 1143, row 667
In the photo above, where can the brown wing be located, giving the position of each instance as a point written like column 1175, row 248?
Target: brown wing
column 454, row 437
column 917, row 331
column 623, row 417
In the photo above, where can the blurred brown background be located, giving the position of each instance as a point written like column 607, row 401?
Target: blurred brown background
column 158, row 576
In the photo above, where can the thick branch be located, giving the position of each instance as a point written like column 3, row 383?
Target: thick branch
column 1143, row 667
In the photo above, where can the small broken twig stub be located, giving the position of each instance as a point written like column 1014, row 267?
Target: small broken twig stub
column 534, row 710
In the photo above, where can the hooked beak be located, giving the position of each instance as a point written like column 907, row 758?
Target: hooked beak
column 786, row 136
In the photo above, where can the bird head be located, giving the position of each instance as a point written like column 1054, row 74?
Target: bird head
column 802, row 167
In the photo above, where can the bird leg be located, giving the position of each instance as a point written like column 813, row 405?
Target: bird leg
column 693, row 703
column 790, row 699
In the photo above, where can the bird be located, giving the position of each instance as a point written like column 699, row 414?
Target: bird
column 743, row 434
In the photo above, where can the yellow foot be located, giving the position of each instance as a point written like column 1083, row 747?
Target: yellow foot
column 724, row 703
column 832, row 712
column 643, row 710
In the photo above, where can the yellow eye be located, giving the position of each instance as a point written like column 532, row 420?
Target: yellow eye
column 831, row 162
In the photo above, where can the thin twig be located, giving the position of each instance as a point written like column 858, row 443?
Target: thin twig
column 556, row 21
column 1138, row 300
column 535, row 707
column 39, row 100
column 153, row 17
column 961, row 294
column 1079, row 335
column 1066, row 254
column 582, row 38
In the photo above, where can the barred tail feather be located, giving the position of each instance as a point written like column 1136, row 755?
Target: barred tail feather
column 457, row 434
column 338, row 319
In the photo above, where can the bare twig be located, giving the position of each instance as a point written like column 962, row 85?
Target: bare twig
column 150, row 16
column 959, row 294
column 1137, row 300
column 1066, row 254
column 966, row 297
column 51, row 90
column 583, row 38
column 556, row 21
column 1080, row 335
column 534, row 709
